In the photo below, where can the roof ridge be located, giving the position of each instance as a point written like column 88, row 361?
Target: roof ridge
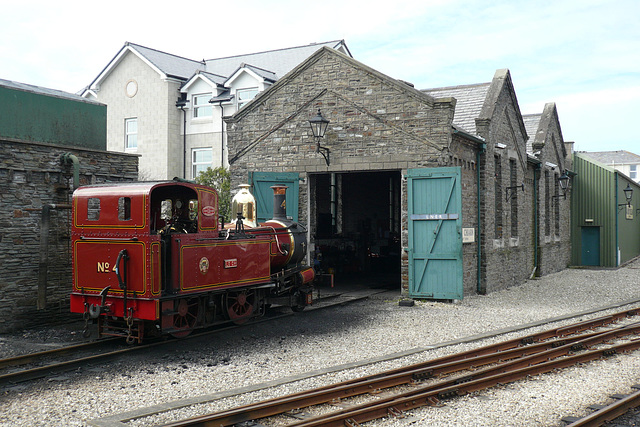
column 458, row 86
column 163, row 52
column 245, row 64
column 211, row 74
column 276, row 50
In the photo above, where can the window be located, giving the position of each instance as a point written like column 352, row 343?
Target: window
column 498, row 198
column 513, row 172
column 131, row 133
column 547, row 203
column 201, row 106
column 245, row 95
column 124, row 209
column 201, row 159
column 633, row 172
column 93, row 209
column 556, row 212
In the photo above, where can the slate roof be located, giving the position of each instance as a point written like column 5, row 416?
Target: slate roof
column 271, row 65
column 217, row 79
column 470, row 99
column 613, row 157
column 279, row 61
column 531, row 124
column 265, row 74
column 171, row 65
column 44, row 91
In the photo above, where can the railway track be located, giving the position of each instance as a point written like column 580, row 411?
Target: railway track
column 394, row 392
column 44, row 364
column 607, row 413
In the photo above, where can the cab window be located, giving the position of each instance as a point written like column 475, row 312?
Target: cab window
column 93, row 209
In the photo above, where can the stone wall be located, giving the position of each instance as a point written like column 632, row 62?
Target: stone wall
column 508, row 234
column 33, row 176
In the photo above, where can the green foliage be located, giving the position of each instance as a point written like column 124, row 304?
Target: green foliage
column 220, row 179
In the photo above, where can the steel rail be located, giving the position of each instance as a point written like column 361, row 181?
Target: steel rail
column 25, row 359
column 405, row 375
column 43, row 371
column 396, row 405
column 609, row 412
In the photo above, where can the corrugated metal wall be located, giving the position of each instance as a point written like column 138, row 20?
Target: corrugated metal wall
column 596, row 192
column 628, row 227
column 28, row 116
column 593, row 205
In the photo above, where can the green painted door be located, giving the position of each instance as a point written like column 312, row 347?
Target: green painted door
column 590, row 245
column 262, row 182
column 435, row 233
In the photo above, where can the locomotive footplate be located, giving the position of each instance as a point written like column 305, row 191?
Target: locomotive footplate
column 297, row 300
column 133, row 333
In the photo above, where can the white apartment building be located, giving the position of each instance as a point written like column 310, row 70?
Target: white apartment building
column 169, row 109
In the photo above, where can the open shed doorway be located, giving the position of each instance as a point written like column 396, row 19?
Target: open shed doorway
column 356, row 220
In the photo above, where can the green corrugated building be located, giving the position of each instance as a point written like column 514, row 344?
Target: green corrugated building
column 605, row 226
column 36, row 114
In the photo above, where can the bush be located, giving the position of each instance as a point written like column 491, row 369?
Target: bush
column 220, row 179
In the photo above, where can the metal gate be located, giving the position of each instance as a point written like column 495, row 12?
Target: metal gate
column 262, row 182
column 435, row 233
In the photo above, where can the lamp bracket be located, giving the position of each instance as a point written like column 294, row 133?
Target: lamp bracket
column 512, row 190
column 324, row 151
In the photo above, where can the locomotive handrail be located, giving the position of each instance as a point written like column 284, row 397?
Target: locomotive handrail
column 110, row 239
column 122, row 282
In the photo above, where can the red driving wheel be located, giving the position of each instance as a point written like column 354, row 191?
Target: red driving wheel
column 240, row 306
column 185, row 318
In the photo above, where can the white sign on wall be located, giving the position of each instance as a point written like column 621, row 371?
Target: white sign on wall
column 468, row 235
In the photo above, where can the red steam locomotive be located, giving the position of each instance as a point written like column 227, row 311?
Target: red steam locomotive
column 152, row 258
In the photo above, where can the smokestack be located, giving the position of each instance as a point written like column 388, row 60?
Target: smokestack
column 279, row 202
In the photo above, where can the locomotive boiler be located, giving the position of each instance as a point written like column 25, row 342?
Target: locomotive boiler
column 152, row 258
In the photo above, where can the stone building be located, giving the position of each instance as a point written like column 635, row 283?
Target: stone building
column 429, row 190
column 42, row 163
column 553, row 205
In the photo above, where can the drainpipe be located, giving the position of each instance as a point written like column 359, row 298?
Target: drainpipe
column 222, row 134
column 482, row 148
column 536, row 218
column 617, row 254
column 43, row 265
column 181, row 103
column 68, row 157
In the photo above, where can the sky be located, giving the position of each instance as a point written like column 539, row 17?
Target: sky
column 584, row 55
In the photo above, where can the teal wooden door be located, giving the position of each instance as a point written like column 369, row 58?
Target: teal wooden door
column 435, row 233
column 262, row 182
column 590, row 245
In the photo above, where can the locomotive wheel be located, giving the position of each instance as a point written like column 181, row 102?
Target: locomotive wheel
column 185, row 318
column 240, row 306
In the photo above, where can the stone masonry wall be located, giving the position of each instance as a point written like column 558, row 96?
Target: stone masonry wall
column 508, row 235
column 32, row 175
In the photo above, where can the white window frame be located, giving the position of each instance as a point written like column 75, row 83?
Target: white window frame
column 201, row 107
column 633, row 171
column 241, row 103
column 130, row 137
column 196, row 165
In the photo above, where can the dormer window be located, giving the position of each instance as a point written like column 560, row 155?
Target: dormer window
column 201, row 106
column 245, row 95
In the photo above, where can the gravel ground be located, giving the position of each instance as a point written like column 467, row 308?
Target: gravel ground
column 322, row 339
